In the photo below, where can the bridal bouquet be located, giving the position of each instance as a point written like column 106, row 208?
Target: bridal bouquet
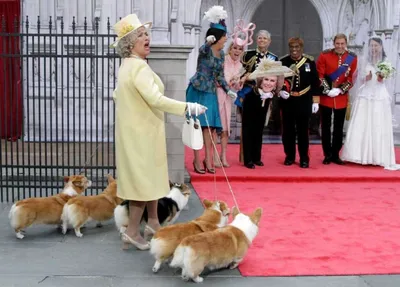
column 385, row 69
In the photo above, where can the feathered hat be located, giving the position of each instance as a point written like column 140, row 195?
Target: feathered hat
column 268, row 67
column 216, row 15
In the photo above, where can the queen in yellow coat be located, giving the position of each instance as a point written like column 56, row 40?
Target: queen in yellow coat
column 141, row 153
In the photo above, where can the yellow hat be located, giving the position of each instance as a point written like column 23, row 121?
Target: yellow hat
column 268, row 67
column 127, row 25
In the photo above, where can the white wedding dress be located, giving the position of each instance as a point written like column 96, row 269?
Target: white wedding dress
column 369, row 138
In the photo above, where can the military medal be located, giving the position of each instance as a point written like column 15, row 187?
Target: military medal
column 308, row 69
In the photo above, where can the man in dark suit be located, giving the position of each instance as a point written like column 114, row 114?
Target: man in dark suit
column 298, row 100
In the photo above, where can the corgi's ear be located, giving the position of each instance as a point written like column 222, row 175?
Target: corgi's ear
column 170, row 184
column 226, row 211
column 235, row 211
column 110, row 178
column 207, row 203
column 66, row 179
column 256, row 215
column 77, row 183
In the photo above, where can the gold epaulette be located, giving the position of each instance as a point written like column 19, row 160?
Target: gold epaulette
column 283, row 57
column 243, row 56
column 326, row 51
column 308, row 57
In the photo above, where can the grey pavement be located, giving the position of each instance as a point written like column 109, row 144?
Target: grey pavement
column 45, row 257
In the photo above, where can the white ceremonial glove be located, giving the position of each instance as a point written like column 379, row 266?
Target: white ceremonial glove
column 334, row 92
column 267, row 95
column 284, row 95
column 232, row 94
column 195, row 108
column 211, row 39
column 315, row 108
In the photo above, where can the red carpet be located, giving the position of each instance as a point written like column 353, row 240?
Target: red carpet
column 313, row 224
column 275, row 171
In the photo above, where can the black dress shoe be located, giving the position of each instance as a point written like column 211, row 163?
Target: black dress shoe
column 250, row 165
column 304, row 164
column 259, row 163
column 338, row 161
column 288, row 161
column 327, row 160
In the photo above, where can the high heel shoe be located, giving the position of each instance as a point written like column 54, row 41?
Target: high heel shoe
column 127, row 240
column 200, row 171
column 148, row 231
column 209, row 170
column 217, row 163
column 225, row 163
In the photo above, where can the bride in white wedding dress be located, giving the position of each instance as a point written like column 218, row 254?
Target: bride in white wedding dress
column 369, row 138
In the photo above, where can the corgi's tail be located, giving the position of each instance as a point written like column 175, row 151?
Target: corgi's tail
column 65, row 218
column 179, row 257
column 13, row 215
column 121, row 217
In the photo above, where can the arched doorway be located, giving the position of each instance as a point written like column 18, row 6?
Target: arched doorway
column 285, row 19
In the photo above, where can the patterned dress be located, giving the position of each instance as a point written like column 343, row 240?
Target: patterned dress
column 202, row 88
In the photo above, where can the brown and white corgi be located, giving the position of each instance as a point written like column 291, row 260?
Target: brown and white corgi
column 81, row 210
column 168, row 209
column 166, row 239
column 221, row 248
column 46, row 210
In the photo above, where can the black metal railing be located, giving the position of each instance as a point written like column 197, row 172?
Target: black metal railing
column 56, row 106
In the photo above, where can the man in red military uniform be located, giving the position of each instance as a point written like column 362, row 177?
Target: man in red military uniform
column 335, row 70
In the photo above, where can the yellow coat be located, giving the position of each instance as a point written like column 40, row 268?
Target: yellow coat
column 140, row 143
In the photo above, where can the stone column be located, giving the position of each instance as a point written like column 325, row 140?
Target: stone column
column 160, row 27
column 328, row 43
column 169, row 62
column 188, row 41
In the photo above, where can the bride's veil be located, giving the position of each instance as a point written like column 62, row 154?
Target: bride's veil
column 372, row 52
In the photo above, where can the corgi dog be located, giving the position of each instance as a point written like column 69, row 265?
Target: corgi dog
column 46, row 210
column 166, row 239
column 81, row 210
column 221, row 248
column 168, row 209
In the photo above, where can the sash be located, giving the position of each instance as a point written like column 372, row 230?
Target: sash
column 343, row 68
column 241, row 95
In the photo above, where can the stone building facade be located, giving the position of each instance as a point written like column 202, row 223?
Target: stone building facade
column 178, row 31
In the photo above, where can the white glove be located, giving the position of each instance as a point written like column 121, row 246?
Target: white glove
column 196, row 109
column 315, row 108
column 334, row 92
column 267, row 95
column 211, row 39
column 232, row 94
column 284, row 95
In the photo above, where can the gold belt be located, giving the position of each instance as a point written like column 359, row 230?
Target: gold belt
column 302, row 92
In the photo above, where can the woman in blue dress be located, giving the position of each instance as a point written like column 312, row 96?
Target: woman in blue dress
column 202, row 88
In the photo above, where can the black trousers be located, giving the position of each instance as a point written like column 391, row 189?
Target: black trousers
column 253, row 120
column 296, row 114
column 332, row 143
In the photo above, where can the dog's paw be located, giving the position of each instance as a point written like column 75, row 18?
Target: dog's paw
column 156, row 266
column 19, row 235
column 198, row 279
column 78, row 234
